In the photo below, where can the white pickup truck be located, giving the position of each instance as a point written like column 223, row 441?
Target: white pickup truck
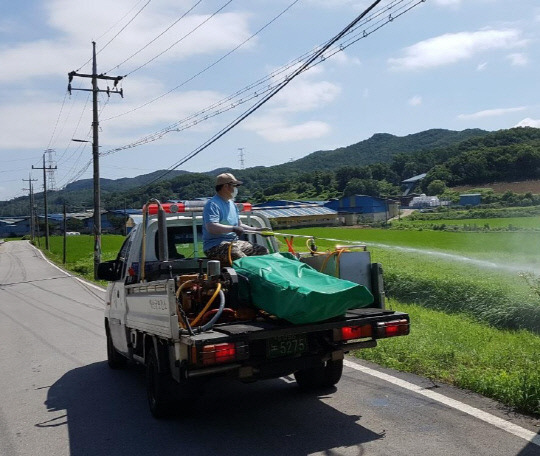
column 185, row 318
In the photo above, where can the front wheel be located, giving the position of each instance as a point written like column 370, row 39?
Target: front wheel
column 114, row 359
column 324, row 376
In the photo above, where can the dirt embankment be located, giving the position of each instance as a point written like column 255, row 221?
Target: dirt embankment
column 532, row 186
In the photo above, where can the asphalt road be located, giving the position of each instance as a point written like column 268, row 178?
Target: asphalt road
column 58, row 397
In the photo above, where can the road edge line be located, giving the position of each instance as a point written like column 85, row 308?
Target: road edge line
column 83, row 281
column 512, row 428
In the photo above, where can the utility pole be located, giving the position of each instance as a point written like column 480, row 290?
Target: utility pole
column 50, row 171
column 44, row 168
column 65, row 234
column 95, row 143
column 241, row 150
column 30, row 180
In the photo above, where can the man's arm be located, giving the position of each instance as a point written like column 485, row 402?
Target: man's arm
column 219, row 228
column 250, row 228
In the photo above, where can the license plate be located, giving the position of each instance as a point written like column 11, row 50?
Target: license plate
column 286, row 346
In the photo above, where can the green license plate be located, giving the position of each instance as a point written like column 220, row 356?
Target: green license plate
column 286, row 346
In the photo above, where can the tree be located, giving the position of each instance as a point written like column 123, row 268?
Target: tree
column 436, row 187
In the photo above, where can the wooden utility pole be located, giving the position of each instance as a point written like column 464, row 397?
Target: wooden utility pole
column 65, row 234
column 95, row 143
column 30, row 180
column 45, row 168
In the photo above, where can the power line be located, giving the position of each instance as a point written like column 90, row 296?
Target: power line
column 114, row 37
column 161, row 34
column 218, row 108
column 118, row 21
column 269, row 96
column 338, row 48
column 210, row 65
column 57, row 120
column 182, row 38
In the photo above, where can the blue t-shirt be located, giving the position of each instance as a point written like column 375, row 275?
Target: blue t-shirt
column 217, row 210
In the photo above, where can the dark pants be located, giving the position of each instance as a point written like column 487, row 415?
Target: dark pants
column 239, row 249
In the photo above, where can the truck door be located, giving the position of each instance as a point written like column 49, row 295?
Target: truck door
column 117, row 311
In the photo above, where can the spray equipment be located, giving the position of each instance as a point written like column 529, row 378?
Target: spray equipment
column 162, row 234
column 213, row 268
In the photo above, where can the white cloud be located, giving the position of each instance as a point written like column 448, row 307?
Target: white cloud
column 454, row 47
column 491, row 113
column 36, row 114
column 518, row 59
column 482, row 66
column 305, row 95
column 275, row 130
column 448, row 2
column 74, row 22
column 415, row 101
column 528, row 122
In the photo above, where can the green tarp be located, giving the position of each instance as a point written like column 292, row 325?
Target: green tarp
column 294, row 291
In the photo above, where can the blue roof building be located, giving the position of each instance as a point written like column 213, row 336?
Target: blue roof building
column 363, row 208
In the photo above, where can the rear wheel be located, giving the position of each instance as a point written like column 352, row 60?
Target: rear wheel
column 157, row 389
column 324, row 376
column 114, row 359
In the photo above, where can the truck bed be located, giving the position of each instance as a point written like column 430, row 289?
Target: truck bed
column 265, row 329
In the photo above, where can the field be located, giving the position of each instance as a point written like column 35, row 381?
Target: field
column 80, row 252
column 503, row 223
column 473, row 314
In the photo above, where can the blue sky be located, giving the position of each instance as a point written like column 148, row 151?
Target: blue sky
column 452, row 64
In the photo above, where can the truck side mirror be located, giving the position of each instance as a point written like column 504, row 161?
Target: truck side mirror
column 109, row 270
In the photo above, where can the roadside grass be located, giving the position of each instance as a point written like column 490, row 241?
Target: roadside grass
column 503, row 365
column 80, row 252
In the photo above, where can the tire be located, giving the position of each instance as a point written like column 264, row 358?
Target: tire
column 114, row 359
column 157, row 390
column 324, row 376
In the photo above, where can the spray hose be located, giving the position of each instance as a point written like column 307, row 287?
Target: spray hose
column 186, row 324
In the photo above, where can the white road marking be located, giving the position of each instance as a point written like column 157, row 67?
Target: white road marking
column 477, row 413
column 84, row 282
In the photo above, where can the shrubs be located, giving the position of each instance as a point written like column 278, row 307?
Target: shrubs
column 484, row 300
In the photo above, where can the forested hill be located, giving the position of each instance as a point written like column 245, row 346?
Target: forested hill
column 375, row 167
column 380, row 148
column 119, row 185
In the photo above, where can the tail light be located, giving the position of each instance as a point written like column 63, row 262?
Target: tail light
column 354, row 332
column 218, row 353
column 212, row 354
column 392, row 328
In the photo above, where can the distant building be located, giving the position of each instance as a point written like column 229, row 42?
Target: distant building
column 297, row 214
column 410, row 183
column 14, row 226
column 470, row 199
column 363, row 208
column 424, row 201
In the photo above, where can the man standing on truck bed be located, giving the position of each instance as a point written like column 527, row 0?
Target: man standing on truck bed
column 222, row 225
